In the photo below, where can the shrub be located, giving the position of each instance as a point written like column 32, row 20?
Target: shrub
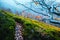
column 7, row 26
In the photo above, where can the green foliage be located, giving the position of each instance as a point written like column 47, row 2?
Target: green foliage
column 7, row 26
column 32, row 29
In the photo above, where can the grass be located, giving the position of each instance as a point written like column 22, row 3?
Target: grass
column 34, row 30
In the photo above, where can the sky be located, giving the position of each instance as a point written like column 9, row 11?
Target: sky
column 21, row 1
column 11, row 2
column 18, row 7
column 57, row 0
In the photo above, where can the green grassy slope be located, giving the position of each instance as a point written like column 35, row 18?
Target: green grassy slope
column 32, row 29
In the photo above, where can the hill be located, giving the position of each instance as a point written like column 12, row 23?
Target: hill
column 32, row 29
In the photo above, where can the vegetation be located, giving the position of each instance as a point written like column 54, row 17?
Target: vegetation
column 7, row 25
column 32, row 29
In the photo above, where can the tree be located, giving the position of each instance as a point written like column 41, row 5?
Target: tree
column 49, row 6
column 29, row 8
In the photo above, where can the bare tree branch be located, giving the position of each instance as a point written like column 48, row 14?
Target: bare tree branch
column 30, row 8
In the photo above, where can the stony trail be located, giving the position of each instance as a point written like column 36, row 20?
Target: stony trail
column 18, row 32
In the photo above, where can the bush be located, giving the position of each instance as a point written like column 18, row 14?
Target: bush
column 7, row 26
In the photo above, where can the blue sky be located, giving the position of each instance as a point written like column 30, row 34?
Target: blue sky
column 57, row 0
column 11, row 2
column 18, row 7
column 21, row 1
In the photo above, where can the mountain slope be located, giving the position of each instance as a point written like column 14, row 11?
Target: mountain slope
column 32, row 29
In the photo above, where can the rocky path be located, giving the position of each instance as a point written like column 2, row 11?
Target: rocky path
column 18, row 32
